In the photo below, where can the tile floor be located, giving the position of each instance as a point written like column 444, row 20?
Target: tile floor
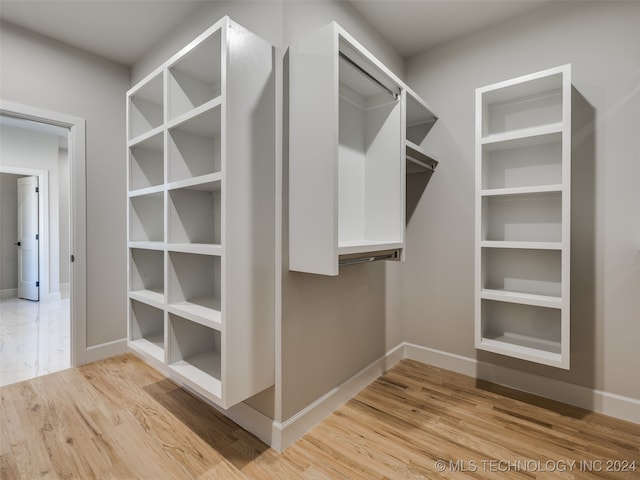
column 34, row 338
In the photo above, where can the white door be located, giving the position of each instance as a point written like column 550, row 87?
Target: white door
column 28, row 235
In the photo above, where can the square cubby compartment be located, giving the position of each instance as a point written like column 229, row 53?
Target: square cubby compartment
column 194, row 353
column 526, row 217
column 146, row 163
column 146, row 108
column 196, row 77
column 194, row 146
column 523, row 162
column 194, row 214
column 147, row 329
column 537, row 272
column 526, row 104
column 195, row 286
column 147, row 273
column 146, row 218
column 520, row 326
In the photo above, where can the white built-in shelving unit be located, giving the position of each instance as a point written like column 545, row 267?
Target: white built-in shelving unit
column 523, row 207
column 348, row 114
column 201, row 216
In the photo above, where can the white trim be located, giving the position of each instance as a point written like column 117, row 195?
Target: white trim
column 287, row 432
column 106, row 350
column 65, row 290
column 77, row 202
column 9, row 293
column 625, row 408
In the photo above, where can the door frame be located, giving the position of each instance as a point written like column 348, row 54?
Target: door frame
column 77, row 218
column 43, row 222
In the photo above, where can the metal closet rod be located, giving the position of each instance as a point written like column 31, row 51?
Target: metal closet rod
column 368, row 75
column 368, row 259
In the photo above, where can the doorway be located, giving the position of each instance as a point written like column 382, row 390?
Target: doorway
column 63, row 236
column 35, row 325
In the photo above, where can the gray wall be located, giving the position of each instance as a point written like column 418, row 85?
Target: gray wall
column 22, row 147
column 42, row 73
column 8, row 231
column 601, row 40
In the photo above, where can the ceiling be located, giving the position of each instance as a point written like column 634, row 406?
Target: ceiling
column 123, row 30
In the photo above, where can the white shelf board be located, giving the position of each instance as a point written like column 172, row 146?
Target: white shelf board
column 199, row 248
column 418, row 116
column 363, row 246
column 525, row 245
column 192, row 114
column 523, row 135
column 523, row 346
column 154, row 298
column 152, row 346
column 211, row 182
column 521, row 298
column 418, row 157
column 205, row 311
column 148, row 245
column 146, row 191
column 203, row 370
column 145, row 136
column 521, row 190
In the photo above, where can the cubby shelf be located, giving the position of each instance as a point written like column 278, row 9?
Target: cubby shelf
column 200, row 172
column 523, row 202
column 347, row 191
column 147, row 329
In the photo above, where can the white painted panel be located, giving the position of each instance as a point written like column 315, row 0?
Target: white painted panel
column 313, row 152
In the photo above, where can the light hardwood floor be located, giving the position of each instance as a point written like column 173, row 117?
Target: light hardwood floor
column 120, row 419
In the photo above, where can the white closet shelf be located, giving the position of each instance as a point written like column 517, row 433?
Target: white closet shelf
column 524, row 347
column 205, row 311
column 526, row 245
column 152, row 346
column 488, row 192
column 145, row 136
column 202, row 370
column 189, row 121
column 420, row 160
column 198, row 248
column 146, row 191
column 523, row 137
column 365, row 246
column 210, row 182
column 148, row 245
column 419, row 112
column 521, row 298
column 155, row 298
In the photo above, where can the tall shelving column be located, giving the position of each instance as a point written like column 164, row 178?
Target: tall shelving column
column 523, row 207
column 201, row 176
column 347, row 148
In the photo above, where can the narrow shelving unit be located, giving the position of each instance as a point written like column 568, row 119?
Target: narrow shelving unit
column 347, row 152
column 201, row 178
column 419, row 121
column 523, row 202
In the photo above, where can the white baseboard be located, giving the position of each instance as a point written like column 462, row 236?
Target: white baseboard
column 280, row 435
column 287, row 432
column 105, row 350
column 618, row 406
column 9, row 293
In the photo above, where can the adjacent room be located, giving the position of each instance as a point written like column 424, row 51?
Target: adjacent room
column 338, row 239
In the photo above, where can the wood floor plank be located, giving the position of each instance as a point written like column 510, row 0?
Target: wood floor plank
column 120, row 419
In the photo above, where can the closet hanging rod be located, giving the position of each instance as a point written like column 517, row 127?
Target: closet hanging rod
column 368, row 75
column 368, row 259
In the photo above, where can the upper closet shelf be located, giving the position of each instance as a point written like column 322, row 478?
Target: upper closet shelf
column 524, row 136
column 418, row 161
